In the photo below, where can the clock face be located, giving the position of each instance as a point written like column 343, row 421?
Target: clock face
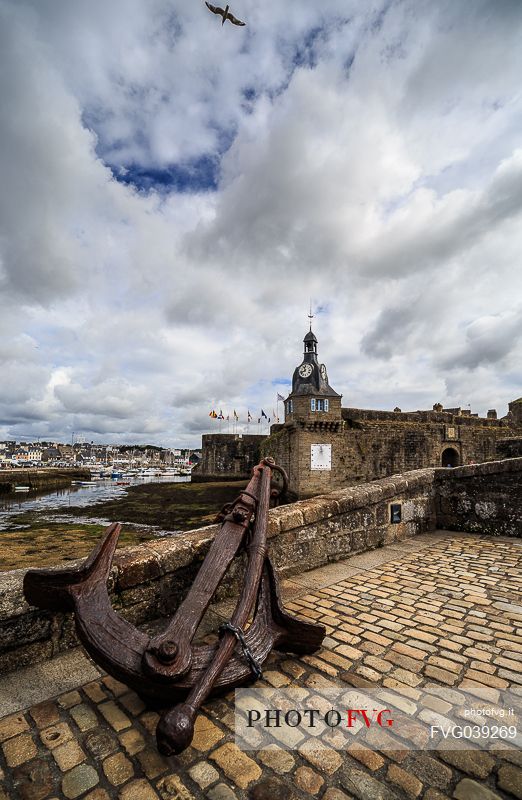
column 305, row 370
column 323, row 372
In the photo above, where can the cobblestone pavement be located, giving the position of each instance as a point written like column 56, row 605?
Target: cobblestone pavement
column 438, row 608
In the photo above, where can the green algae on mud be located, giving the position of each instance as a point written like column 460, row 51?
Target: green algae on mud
column 167, row 506
column 50, row 543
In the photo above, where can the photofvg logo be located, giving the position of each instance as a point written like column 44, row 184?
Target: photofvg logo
column 315, row 718
column 378, row 719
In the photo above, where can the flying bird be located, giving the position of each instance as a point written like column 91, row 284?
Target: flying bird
column 225, row 13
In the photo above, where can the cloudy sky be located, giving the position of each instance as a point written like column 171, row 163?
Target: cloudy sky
column 173, row 193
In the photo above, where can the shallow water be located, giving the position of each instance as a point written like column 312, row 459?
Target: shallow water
column 53, row 505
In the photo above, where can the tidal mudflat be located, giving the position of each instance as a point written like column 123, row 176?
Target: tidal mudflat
column 49, row 536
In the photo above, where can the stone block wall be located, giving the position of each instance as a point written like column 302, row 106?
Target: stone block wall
column 510, row 448
column 148, row 582
column 327, row 528
column 483, row 498
column 227, row 456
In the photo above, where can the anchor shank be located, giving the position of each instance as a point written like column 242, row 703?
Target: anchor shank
column 169, row 654
column 257, row 555
column 175, row 729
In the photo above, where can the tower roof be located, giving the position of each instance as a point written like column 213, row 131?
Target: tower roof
column 310, row 377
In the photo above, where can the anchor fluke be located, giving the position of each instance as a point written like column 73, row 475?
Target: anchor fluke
column 55, row 589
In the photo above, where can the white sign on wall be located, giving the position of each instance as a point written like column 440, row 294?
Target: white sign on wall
column 321, row 456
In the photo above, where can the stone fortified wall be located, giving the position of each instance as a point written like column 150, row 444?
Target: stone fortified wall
column 48, row 478
column 368, row 445
column 149, row 581
column 227, row 456
column 510, row 448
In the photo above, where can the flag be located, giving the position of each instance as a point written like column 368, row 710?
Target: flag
column 263, row 414
column 249, row 416
column 235, row 415
column 228, row 417
column 213, row 414
column 280, row 397
column 220, row 415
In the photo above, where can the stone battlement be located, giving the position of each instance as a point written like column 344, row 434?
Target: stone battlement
column 446, row 416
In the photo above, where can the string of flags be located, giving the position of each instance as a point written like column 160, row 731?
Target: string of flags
column 235, row 416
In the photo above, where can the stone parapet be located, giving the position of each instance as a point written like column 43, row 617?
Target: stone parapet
column 481, row 498
column 148, row 581
column 445, row 416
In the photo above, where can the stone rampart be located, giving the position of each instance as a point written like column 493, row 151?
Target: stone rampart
column 510, row 448
column 148, row 581
column 227, row 456
column 370, row 445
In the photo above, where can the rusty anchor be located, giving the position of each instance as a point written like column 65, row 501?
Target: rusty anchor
column 169, row 668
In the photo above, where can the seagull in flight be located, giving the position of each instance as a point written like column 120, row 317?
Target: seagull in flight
column 225, row 13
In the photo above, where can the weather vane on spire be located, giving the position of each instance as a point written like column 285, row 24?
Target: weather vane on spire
column 310, row 315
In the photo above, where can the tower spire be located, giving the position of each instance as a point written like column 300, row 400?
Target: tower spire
column 310, row 315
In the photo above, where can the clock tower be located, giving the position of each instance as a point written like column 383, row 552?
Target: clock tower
column 312, row 400
column 310, row 444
